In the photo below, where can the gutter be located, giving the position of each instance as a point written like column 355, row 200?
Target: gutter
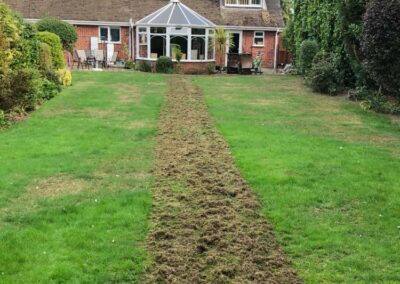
column 88, row 23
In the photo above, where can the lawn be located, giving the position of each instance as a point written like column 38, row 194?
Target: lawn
column 75, row 183
column 76, row 179
column 326, row 171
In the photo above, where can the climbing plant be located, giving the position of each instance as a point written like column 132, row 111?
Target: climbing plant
column 336, row 26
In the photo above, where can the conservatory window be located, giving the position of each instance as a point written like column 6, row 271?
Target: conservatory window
column 158, row 42
column 196, row 44
column 243, row 3
column 143, row 50
column 198, row 48
column 210, row 45
column 258, row 38
column 179, row 42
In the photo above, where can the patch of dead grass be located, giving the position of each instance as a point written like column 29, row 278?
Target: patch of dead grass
column 54, row 187
column 127, row 93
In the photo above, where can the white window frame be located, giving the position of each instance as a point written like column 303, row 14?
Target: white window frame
column 187, row 33
column 109, row 34
column 259, row 36
column 238, row 4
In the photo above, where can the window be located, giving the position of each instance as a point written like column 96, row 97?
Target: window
column 110, row 34
column 142, row 41
column 180, row 42
column 258, row 38
column 210, row 45
column 198, row 48
column 195, row 43
column 243, row 3
column 158, row 42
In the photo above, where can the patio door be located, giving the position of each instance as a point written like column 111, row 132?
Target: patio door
column 237, row 40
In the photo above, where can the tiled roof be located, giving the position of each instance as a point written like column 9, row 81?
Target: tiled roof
column 123, row 10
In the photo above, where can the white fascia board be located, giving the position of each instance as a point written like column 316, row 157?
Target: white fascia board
column 87, row 23
column 244, row 28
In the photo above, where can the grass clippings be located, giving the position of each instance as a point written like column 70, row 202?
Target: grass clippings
column 206, row 224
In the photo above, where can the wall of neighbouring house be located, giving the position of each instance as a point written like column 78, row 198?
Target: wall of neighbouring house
column 86, row 32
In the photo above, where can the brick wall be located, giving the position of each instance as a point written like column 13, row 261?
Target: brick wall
column 86, row 32
column 268, row 49
column 187, row 67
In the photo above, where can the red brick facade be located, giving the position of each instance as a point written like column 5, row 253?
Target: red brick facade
column 268, row 50
column 86, row 32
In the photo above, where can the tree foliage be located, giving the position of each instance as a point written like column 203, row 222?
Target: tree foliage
column 335, row 24
column 381, row 44
column 64, row 30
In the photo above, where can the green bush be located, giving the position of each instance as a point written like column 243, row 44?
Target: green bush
column 211, row 68
column 143, row 66
column 129, row 64
column 10, row 36
column 46, row 60
column 381, row 45
column 64, row 30
column 22, row 89
column 50, row 89
column 381, row 104
column 54, row 42
column 308, row 50
column 164, row 65
column 360, row 94
column 324, row 77
column 3, row 119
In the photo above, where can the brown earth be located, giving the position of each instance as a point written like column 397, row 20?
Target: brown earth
column 206, row 224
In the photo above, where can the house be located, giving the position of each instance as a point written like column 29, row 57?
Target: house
column 145, row 30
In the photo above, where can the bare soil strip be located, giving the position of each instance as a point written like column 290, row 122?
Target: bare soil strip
column 206, row 224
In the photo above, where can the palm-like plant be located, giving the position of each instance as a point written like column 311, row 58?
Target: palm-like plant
column 222, row 40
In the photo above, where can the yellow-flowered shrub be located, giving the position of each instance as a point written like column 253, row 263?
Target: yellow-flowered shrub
column 64, row 77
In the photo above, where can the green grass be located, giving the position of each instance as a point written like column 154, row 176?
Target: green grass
column 75, row 180
column 326, row 171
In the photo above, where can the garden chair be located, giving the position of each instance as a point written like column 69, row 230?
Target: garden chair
column 99, row 57
column 112, row 62
column 82, row 59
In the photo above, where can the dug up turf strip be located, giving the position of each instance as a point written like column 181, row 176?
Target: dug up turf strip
column 206, row 224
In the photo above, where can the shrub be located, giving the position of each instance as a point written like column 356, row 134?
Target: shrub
column 21, row 89
column 64, row 77
column 3, row 119
column 308, row 50
column 211, row 68
column 381, row 45
column 164, row 65
column 379, row 103
column 50, row 89
column 10, row 36
column 143, row 66
column 65, row 31
column 129, row 64
column 360, row 94
column 45, row 61
column 323, row 76
column 54, row 42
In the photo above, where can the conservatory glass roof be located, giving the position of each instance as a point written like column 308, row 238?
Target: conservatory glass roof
column 175, row 14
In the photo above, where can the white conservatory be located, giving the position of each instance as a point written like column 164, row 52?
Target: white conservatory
column 173, row 27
